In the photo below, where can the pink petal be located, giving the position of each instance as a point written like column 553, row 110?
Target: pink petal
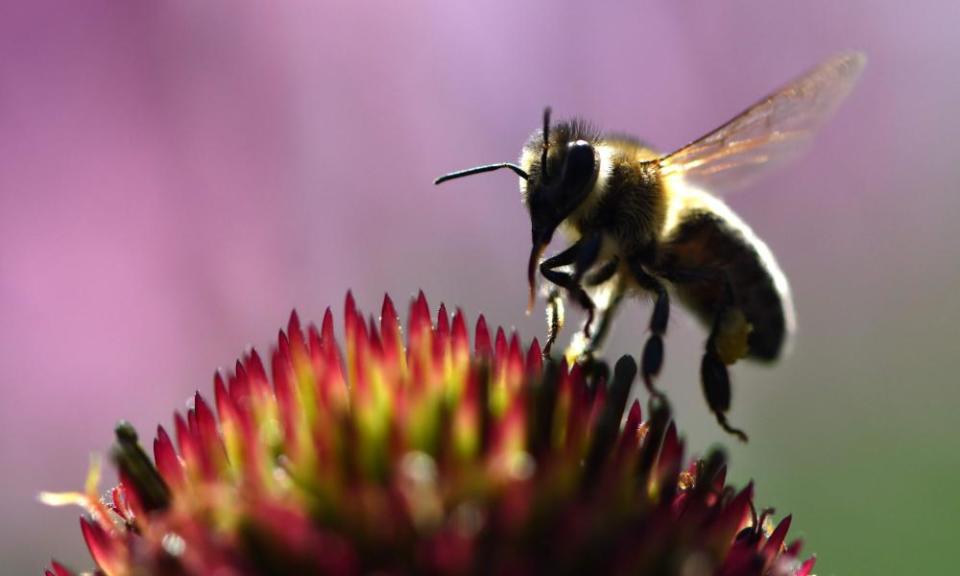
column 419, row 320
column 671, row 452
column 57, row 569
column 373, row 336
column 500, row 347
column 443, row 323
column 298, row 345
column 732, row 518
column 793, row 549
column 350, row 319
column 186, row 442
column 634, row 420
column 327, row 336
column 807, row 566
column 482, row 348
column 515, row 357
column 207, row 427
column 222, row 399
column 257, row 375
column 286, row 398
column 772, row 546
column 166, row 458
column 293, row 325
column 390, row 329
column 238, row 386
column 461, row 341
column 102, row 547
column 132, row 497
column 534, row 363
column 314, row 342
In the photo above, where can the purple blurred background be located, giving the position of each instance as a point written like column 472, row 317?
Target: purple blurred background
column 175, row 177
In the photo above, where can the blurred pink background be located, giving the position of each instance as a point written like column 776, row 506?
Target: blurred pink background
column 175, row 177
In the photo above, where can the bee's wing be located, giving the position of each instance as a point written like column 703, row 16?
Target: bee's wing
column 771, row 131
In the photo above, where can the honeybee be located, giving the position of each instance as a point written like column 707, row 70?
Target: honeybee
column 643, row 222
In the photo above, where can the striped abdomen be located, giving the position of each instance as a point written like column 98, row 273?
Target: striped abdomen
column 706, row 245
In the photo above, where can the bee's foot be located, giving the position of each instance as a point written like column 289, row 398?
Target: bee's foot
column 716, row 388
column 651, row 363
column 740, row 434
column 588, row 326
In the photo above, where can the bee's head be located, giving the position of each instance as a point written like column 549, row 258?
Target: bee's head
column 557, row 170
column 562, row 165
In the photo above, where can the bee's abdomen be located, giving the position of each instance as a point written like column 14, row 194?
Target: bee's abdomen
column 705, row 252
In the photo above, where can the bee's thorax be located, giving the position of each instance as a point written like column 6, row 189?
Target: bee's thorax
column 627, row 202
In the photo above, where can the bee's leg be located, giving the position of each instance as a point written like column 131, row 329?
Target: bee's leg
column 716, row 388
column 585, row 349
column 587, row 255
column 566, row 280
column 605, row 273
column 713, row 372
column 583, row 255
column 652, row 360
column 714, row 375
column 555, row 315
column 554, row 319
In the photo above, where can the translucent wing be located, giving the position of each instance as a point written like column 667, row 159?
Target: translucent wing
column 770, row 132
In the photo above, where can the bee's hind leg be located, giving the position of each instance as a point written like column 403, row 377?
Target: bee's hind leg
column 713, row 370
column 714, row 376
column 716, row 388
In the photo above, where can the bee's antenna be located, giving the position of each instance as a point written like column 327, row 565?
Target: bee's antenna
column 546, row 142
column 481, row 169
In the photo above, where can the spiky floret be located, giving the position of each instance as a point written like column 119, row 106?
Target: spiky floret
column 418, row 455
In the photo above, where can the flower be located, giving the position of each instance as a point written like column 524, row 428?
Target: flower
column 417, row 455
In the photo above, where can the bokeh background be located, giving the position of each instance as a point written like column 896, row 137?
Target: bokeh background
column 176, row 176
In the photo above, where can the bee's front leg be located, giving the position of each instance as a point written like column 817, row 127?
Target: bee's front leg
column 583, row 255
column 555, row 319
column 583, row 349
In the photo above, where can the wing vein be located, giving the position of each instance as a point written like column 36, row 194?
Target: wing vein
column 770, row 132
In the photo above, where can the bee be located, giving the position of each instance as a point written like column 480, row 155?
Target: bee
column 641, row 222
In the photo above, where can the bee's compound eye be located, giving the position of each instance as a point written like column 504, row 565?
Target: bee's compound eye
column 580, row 153
column 580, row 164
